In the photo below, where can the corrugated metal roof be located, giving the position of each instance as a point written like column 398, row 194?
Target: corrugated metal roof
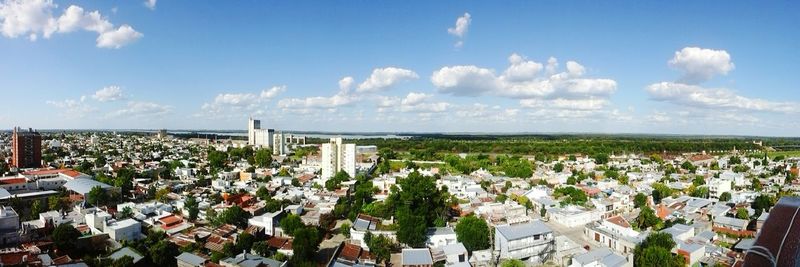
column 83, row 186
column 518, row 231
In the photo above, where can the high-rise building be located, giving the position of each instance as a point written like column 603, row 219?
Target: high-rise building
column 27, row 148
column 336, row 157
column 278, row 144
column 259, row 137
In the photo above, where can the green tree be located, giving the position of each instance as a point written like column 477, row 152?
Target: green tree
column 381, row 247
column 161, row 194
column 97, row 196
column 660, row 191
column 192, row 207
column 473, row 232
column 725, row 196
column 263, row 193
column 761, row 203
column 216, row 159
column 163, row 253
column 742, row 213
column 640, row 200
column 291, row 223
column 37, row 207
column 244, row 242
column 512, row 263
column 54, row 203
column 261, row 248
column 263, row 158
column 655, row 251
column 647, row 218
column 124, row 261
column 559, row 167
column 65, row 236
column 601, row 158
column 345, row 229
column 125, row 213
column 234, row 215
column 412, row 228
column 305, row 244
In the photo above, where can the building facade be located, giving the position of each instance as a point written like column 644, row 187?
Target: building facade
column 533, row 241
column 27, row 148
column 258, row 137
column 336, row 157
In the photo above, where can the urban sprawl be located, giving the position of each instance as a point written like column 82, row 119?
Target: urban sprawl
column 279, row 199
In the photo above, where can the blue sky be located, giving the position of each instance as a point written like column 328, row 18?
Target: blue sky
column 715, row 67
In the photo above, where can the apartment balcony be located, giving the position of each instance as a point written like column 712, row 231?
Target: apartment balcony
column 515, row 245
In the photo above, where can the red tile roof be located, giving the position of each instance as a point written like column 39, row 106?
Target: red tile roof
column 618, row 220
column 350, row 252
column 14, row 180
column 68, row 172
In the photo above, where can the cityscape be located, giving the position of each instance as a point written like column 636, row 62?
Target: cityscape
column 414, row 134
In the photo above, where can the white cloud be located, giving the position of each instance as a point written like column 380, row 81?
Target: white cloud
column 108, row 93
column 118, row 38
column 384, row 78
column 141, row 109
column 465, row 80
column 461, row 28
column 520, row 80
column 237, row 105
column 521, row 69
column 27, row 18
column 272, row 92
column 151, row 4
column 415, row 98
column 73, row 108
column 483, row 112
column 714, row 98
column 35, row 17
column 346, row 83
column 75, row 18
column 701, row 64
column 317, row 102
column 569, row 104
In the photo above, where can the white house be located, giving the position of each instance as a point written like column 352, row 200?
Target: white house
column 532, row 241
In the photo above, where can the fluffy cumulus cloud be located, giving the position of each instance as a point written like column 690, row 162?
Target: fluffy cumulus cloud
column 484, row 112
column 382, row 79
column 141, row 109
column 568, row 104
column 228, row 105
column 701, row 64
column 108, row 93
column 461, row 28
column 151, row 4
column 522, row 80
column 34, row 18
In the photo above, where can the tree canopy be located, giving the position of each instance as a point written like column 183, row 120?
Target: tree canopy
column 473, row 232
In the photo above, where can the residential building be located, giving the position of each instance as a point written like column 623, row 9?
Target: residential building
column 26, row 147
column 9, row 225
column 336, row 157
column 187, row 259
column 601, row 257
column 258, row 137
column 532, row 241
column 249, row 260
column 614, row 233
column 268, row 221
column 417, row 257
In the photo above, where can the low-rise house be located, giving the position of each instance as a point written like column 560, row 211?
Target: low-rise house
column 417, row 257
column 268, row 221
column 614, row 233
column 601, row 257
column 573, row 216
column 532, row 241
column 249, row 260
column 187, row 259
column 440, row 236
column 732, row 226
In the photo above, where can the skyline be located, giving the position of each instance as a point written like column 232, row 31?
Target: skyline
column 712, row 68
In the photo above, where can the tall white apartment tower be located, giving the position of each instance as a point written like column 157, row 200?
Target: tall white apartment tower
column 258, row 137
column 338, row 157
